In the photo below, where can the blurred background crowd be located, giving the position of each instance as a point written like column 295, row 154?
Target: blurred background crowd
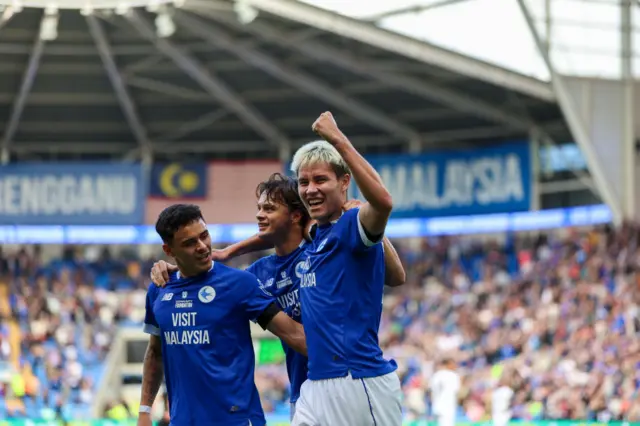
column 553, row 316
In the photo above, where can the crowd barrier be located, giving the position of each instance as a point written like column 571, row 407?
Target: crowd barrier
column 397, row 228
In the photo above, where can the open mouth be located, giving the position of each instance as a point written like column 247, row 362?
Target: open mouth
column 315, row 203
column 205, row 257
column 262, row 226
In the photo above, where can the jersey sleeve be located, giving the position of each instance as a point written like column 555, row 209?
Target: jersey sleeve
column 354, row 234
column 252, row 269
column 150, row 324
column 255, row 300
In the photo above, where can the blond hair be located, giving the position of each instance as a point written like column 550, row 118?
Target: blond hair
column 319, row 152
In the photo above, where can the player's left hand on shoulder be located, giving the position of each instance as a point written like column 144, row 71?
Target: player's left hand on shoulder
column 219, row 255
column 351, row 204
column 327, row 128
column 160, row 272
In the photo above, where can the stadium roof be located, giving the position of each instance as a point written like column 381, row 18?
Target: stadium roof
column 583, row 36
column 214, row 78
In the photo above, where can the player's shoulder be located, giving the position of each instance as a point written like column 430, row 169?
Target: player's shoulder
column 234, row 278
column 350, row 214
column 348, row 217
column 239, row 276
column 153, row 291
column 260, row 263
column 229, row 272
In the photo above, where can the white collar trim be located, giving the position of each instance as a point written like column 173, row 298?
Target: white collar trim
column 178, row 274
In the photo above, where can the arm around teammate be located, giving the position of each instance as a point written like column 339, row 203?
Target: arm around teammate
column 263, row 309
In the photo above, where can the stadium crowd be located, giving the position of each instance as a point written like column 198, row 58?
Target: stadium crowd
column 66, row 311
column 552, row 316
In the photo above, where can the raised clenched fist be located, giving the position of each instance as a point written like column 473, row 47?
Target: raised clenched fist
column 325, row 126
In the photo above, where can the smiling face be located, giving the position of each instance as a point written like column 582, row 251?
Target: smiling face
column 275, row 219
column 322, row 191
column 191, row 248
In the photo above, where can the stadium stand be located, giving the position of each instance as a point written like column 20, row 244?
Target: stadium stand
column 555, row 314
column 66, row 311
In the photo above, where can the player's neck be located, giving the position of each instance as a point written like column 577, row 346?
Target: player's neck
column 187, row 273
column 330, row 219
column 292, row 242
column 333, row 217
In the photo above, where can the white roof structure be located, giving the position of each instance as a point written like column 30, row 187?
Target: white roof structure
column 585, row 36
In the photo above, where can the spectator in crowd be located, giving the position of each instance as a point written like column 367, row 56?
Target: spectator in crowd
column 556, row 313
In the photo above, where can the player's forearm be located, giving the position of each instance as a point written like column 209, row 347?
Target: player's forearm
column 250, row 245
column 394, row 271
column 297, row 341
column 152, row 374
column 366, row 177
column 291, row 332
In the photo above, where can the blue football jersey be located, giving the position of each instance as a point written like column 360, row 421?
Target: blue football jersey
column 341, row 294
column 207, row 350
column 280, row 276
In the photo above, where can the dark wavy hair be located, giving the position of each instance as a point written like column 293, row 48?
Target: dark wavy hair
column 175, row 217
column 282, row 189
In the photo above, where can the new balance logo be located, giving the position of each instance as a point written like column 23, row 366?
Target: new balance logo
column 167, row 297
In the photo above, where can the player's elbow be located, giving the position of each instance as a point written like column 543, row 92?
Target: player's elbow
column 397, row 279
column 154, row 350
column 384, row 204
column 378, row 213
column 302, row 348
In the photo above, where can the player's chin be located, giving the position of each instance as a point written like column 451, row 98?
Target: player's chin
column 321, row 212
column 315, row 216
column 317, row 211
column 265, row 233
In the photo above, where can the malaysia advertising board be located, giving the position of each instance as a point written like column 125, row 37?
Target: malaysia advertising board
column 71, row 194
column 496, row 179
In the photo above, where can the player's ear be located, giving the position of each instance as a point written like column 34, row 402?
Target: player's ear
column 345, row 180
column 167, row 250
column 296, row 216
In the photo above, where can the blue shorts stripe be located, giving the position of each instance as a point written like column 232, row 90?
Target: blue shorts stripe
column 369, row 401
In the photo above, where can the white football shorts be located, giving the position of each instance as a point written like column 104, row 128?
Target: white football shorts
column 345, row 401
